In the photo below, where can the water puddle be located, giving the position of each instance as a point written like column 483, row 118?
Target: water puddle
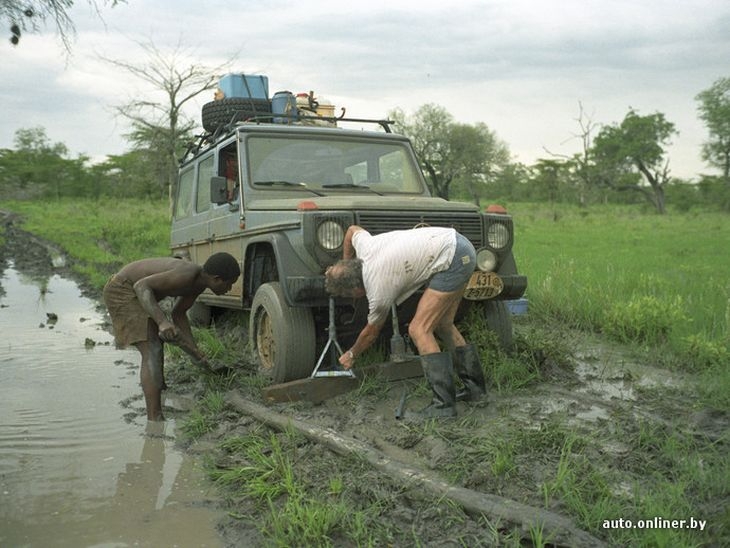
column 75, row 469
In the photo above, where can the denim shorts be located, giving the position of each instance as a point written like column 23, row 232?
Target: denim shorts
column 460, row 269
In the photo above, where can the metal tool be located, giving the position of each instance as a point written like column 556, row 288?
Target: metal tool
column 333, row 349
column 398, row 351
column 400, row 410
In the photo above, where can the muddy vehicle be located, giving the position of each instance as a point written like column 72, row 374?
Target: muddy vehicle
column 278, row 192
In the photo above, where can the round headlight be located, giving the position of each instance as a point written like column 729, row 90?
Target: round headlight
column 486, row 260
column 497, row 235
column 330, row 235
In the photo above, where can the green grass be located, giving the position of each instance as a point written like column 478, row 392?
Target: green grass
column 582, row 264
column 661, row 283
column 262, row 468
column 204, row 417
column 101, row 235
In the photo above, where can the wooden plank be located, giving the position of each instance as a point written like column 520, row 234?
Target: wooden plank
column 318, row 389
column 392, row 371
column 311, row 389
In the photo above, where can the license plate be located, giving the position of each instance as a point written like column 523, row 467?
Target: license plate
column 483, row 285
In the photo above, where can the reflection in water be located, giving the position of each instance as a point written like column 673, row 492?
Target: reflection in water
column 73, row 471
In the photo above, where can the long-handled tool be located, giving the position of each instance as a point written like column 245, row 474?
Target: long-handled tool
column 398, row 352
column 333, row 349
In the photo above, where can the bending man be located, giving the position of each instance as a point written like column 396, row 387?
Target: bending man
column 389, row 268
column 132, row 298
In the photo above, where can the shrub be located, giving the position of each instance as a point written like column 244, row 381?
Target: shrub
column 644, row 319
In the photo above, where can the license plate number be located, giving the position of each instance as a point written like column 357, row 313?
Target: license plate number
column 483, row 285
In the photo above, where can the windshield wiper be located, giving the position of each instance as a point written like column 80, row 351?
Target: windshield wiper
column 351, row 185
column 287, row 183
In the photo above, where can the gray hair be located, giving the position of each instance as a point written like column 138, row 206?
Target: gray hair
column 348, row 278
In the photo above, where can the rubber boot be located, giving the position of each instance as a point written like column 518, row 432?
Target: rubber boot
column 469, row 369
column 439, row 371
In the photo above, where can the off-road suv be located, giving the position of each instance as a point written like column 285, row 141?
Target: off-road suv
column 280, row 196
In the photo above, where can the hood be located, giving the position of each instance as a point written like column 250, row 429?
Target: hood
column 360, row 203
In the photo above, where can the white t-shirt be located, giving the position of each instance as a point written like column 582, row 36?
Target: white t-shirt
column 396, row 264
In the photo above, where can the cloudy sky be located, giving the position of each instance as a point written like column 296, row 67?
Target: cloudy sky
column 523, row 67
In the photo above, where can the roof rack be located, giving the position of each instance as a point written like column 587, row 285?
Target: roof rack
column 195, row 146
column 266, row 118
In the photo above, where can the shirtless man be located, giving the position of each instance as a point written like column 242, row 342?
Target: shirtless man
column 132, row 298
column 390, row 267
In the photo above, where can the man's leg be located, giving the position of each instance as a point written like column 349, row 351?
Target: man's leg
column 436, row 309
column 447, row 330
column 465, row 358
column 433, row 309
column 151, row 375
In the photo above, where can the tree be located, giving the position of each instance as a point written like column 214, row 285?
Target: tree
column 27, row 15
column 548, row 176
column 477, row 156
column 39, row 167
column 159, row 124
column 450, row 152
column 129, row 175
column 714, row 111
column 636, row 146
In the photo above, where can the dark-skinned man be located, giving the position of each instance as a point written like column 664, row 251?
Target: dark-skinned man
column 132, row 297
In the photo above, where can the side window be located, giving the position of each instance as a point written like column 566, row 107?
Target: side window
column 228, row 168
column 206, row 170
column 184, row 201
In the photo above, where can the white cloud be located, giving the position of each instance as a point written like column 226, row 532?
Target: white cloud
column 521, row 67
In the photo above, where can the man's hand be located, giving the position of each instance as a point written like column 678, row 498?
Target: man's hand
column 168, row 331
column 347, row 360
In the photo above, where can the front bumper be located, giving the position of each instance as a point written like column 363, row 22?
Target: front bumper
column 310, row 291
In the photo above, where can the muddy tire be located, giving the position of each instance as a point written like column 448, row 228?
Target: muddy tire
column 200, row 314
column 499, row 320
column 219, row 113
column 283, row 338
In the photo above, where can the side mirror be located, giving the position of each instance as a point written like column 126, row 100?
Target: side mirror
column 218, row 190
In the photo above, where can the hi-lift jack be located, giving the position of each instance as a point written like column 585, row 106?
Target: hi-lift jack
column 324, row 384
column 333, row 349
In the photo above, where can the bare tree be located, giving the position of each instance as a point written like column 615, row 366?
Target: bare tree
column 160, row 125
column 581, row 162
column 27, row 16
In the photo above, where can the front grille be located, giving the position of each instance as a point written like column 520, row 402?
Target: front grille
column 469, row 224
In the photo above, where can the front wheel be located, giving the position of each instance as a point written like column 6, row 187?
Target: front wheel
column 283, row 337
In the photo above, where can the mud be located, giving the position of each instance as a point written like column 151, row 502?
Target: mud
column 603, row 393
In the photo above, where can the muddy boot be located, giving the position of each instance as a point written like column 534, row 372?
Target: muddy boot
column 439, row 372
column 469, row 369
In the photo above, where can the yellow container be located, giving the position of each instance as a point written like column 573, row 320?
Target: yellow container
column 326, row 110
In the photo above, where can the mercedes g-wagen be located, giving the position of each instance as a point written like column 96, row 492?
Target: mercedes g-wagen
column 280, row 196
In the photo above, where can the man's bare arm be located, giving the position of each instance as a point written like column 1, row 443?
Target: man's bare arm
column 348, row 251
column 151, row 289
column 365, row 340
column 185, row 339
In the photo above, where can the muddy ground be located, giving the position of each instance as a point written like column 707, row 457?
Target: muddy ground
column 508, row 446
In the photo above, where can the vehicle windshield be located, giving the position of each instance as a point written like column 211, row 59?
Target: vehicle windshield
column 330, row 166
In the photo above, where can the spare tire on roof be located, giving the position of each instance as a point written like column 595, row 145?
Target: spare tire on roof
column 234, row 109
